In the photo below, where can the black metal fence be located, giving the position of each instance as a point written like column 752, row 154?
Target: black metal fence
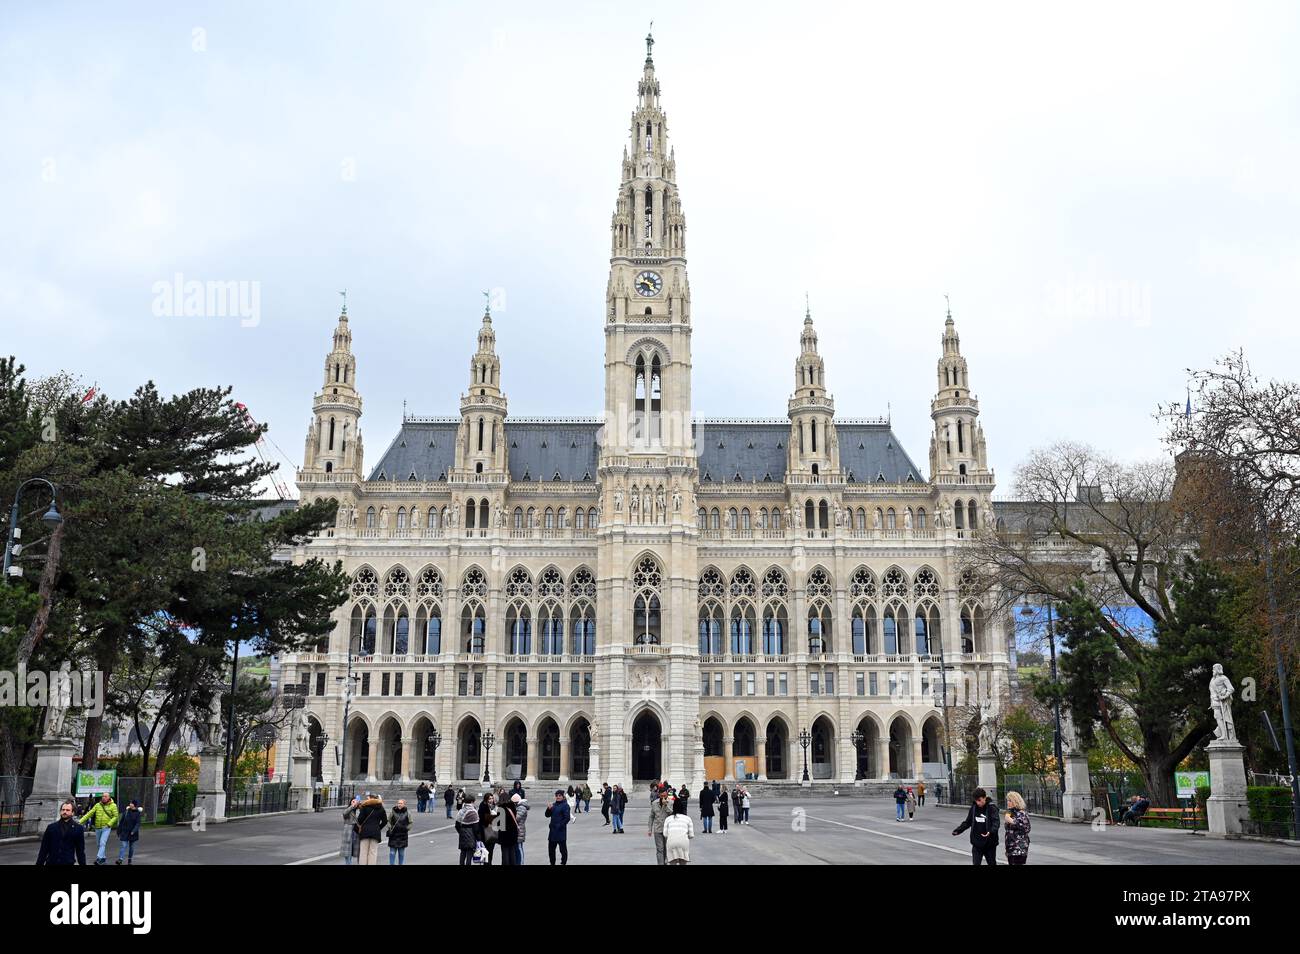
column 14, row 790
column 1270, row 829
column 332, row 796
column 258, row 799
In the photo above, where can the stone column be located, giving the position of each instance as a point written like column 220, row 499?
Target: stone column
column 530, row 773
column 882, row 758
column 408, row 751
column 988, row 774
column 1076, row 802
column 372, row 764
column 51, row 784
column 917, row 771
column 728, row 770
column 564, row 760
column 762, row 758
column 1226, row 808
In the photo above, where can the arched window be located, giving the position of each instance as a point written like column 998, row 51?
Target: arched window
column 647, row 580
column 891, row 631
column 702, row 518
column 583, row 629
column 920, row 519
column 473, row 629
column 819, row 629
column 370, row 518
column 518, row 631
column 774, row 628
column 710, row 629
column 742, row 630
column 824, row 515
column 864, row 629
column 744, row 519
column 970, row 516
column 517, row 520
column 483, row 513
column 959, row 515
column 401, row 518
column 480, row 433
column 891, row 519
column 332, row 428
column 714, row 517
column 579, row 518
column 809, row 515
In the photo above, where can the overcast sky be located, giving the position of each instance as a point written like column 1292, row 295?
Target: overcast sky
column 1108, row 195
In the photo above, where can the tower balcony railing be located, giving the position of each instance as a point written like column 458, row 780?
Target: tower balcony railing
column 970, row 401
column 482, row 400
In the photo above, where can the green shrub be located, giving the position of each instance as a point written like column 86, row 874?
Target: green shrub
column 180, row 803
column 1269, row 803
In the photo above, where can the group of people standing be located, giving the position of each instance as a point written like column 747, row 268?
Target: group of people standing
column 426, row 793
column 906, row 799
column 499, row 820
column 364, row 821
column 983, row 824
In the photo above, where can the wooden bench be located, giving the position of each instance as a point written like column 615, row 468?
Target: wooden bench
column 1186, row 817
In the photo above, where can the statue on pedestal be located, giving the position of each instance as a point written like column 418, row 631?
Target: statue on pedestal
column 302, row 734
column 986, row 727
column 60, row 703
column 1221, row 691
column 210, row 733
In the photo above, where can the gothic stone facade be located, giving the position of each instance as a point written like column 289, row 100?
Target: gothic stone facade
column 648, row 595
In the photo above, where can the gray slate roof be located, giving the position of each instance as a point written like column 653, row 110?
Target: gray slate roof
column 540, row 449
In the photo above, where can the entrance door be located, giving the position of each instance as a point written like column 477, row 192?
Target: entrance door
column 647, row 762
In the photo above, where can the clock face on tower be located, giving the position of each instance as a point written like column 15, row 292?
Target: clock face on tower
column 648, row 284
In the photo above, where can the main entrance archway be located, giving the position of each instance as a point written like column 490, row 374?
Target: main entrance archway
column 647, row 747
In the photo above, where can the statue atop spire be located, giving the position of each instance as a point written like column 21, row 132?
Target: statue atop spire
column 344, row 293
column 650, row 42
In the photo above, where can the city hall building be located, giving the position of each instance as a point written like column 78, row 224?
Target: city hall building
column 650, row 594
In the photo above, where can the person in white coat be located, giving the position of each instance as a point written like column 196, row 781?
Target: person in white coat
column 678, row 832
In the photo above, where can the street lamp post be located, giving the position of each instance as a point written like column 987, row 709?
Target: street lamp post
column 858, row 740
column 805, row 739
column 52, row 518
column 1028, row 611
column 348, row 685
column 488, row 740
column 434, row 740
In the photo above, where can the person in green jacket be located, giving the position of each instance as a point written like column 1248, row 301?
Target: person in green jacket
column 102, row 817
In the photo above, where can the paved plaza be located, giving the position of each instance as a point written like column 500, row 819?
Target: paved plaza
column 784, row 830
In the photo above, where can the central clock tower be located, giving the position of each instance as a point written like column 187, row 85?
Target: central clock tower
column 648, row 302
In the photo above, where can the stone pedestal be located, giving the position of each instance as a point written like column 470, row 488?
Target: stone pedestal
column 1076, row 803
column 51, row 784
column 593, row 765
column 988, row 774
column 1226, row 807
column 211, row 797
column 300, row 781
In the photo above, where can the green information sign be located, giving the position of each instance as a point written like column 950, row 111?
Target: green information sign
column 96, row 781
column 1188, row 782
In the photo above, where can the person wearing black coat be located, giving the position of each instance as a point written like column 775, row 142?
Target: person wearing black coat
column 422, row 798
column 706, row 809
column 399, row 833
column 735, row 803
column 605, row 795
column 371, row 820
column 64, row 841
column 982, row 822
column 723, row 803
column 448, row 797
column 558, row 835
column 682, row 803
column 128, row 831
column 508, row 839
column 487, row 829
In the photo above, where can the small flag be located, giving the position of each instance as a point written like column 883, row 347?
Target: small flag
column 89, row 394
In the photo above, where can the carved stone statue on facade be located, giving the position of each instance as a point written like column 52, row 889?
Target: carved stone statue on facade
column 302, row 734
column 593, row 733
column 875, row 520
column 1221, row 691
column 618, row 501
column 907, row 519
column 383, row 518
column 677, row 501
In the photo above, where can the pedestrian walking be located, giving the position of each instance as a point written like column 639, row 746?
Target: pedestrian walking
column 744, row 803
column 900, row 802
column 350, row 847
column 371, row 820
column 64, row 841
column 682, row 803
column 724, row 805
column 421, row 798
column 586, row 798
column 660, row 812
column 920, row 793
column 605, row 797
column 735, row 804
column 560, row 815
column 617, row 805
column 1016, row 822
column 706, row 809
column 399, row 833
column 450, row 798
column 678, row 832
column 128, row 831
column 911, row 803
column 467, row 832
column 982, row 821
column 571, row 797
column 103, row 817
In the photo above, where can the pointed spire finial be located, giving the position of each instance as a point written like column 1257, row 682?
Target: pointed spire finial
column 487, row 304
column 344, row 293
column 807, row 308
column 949, row 302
